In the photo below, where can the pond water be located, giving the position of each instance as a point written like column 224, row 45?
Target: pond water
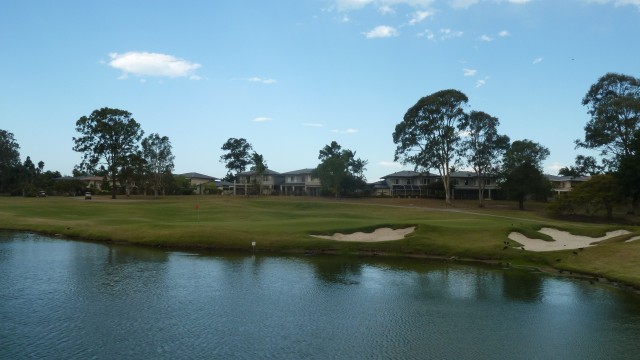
column 69, row 299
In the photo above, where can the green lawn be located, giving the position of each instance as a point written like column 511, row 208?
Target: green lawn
column 283, row 224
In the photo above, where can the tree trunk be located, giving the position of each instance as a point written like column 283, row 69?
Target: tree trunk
column 521, row 203
column 113, row 185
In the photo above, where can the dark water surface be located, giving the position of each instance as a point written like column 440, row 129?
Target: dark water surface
column 65, row 299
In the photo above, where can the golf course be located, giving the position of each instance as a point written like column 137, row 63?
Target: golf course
column 297, row 224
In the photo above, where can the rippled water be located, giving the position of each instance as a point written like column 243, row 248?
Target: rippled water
column 65, row 299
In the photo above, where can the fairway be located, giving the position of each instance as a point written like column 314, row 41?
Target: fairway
column 285, row 224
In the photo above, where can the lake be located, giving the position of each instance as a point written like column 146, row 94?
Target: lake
column 64, row 299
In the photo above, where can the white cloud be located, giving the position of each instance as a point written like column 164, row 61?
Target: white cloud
column 382, row 5
column 419, row 16
column 390, row 164
column 537, row 60
column 469, row 72
column 313, row 125
column 486, row 38
column 428, row 34
column 381, row 31
column 482, row 82
column 262, row 119
column 446, row 34
column 386, row 9
column 503, row 33
column 152, row 64
column 261, row 80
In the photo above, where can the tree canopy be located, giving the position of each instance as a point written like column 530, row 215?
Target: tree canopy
column 614, row 106
column 522, row 171
column 428, row 135
column 237, row 157
column 9, row 159
column 339, row 170
column 158, row 156
column 107, row 137
column 482, row 147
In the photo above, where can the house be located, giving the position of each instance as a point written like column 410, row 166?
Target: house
column 198, row 181
column 564, row 184
column 300, row 182
column 91, row 182
column 407, row 184
column 424, row 184
column 269, row 182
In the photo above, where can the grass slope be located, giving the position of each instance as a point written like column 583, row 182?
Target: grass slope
column 285, row 223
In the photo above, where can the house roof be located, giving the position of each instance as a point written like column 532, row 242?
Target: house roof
column 266, row 172
column 299, row 172
column 195, row 175
column 407, row 173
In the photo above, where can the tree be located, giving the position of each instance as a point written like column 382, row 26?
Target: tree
column 628, row 174
column 522, row 171
column 584, row 165
column 428, row 135
column 108, row 137
column 158, row 158
column 9, row 159
column 339, row 170
column 237, row 158
column 259, row 167
column 601, row 192
column 614, row 106
column 483, row 147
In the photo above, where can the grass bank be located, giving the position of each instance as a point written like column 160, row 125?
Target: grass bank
column 283, row 224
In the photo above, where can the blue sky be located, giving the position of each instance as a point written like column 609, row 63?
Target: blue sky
column 291, row 76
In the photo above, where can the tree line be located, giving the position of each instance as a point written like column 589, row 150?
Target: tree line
column 437, row 133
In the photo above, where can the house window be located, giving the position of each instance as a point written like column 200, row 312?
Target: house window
column 408, row 181
column 396, row 181
column 487, row 181
column 455, row 181
column 265, row 177
column 466, row 182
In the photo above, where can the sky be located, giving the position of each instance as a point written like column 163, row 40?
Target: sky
column 291, row 76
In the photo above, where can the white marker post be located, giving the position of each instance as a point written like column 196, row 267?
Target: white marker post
column 253, row 245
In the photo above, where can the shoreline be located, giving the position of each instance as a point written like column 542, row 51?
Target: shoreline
column 504, row 265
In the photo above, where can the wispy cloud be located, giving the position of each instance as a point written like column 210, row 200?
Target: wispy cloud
column 382, row 31
column 503, row 33
column 446, row 34
column 261, row 80
column 481, row 82
column 442, row 34
column 349, row 5
column 537, row 60
column 469, row 72
column 317, row 125
column 419, row 16
column 345, row 131
column 152, row 64
column 486, row 38
column 262, row 119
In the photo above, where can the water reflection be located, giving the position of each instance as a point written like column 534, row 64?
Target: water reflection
column 64, row 299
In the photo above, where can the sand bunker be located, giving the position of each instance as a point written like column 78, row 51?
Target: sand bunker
column 633, row 239
column 563, row 240
column 382, row 234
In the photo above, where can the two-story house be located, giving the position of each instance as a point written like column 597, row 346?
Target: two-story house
column 268, row 183
column 416, row 184
column 300, row 182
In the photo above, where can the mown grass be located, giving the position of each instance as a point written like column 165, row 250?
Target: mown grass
column 284, row 224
